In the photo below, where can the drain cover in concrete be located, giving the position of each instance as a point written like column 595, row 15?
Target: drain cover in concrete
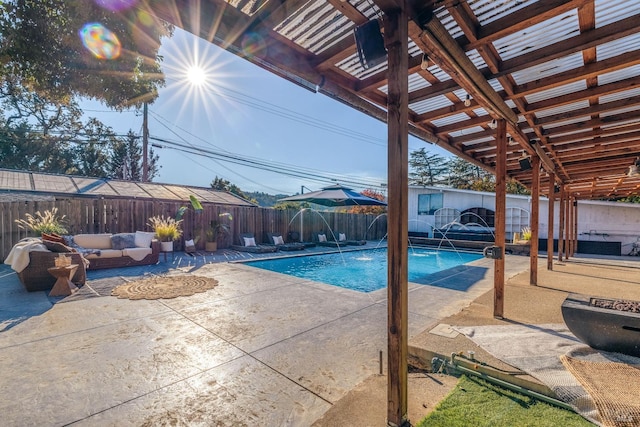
column 444, row 330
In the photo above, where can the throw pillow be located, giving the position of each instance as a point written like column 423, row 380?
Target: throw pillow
column 143, row 239
column 249, row 241
column 123, row 241
column 52, row 238
column 322, row 238
column 342, row 237
column 56, row 246
column 278, row 240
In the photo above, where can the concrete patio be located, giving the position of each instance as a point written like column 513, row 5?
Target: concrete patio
column 261, row 348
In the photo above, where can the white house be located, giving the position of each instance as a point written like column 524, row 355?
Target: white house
column 598, row 221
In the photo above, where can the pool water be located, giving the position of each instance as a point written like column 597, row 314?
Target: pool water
column 365, row 270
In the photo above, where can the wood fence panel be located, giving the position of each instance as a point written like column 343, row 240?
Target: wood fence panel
column 118, row 215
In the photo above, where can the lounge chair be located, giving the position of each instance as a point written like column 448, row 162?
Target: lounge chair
column 342, row 238
column 248, row 244
column 323, row 240
column 294, row 236
column 277, row 240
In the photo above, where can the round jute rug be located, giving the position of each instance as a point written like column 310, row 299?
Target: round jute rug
column 157, row 287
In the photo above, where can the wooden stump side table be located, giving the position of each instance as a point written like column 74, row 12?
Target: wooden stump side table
column 63, row 286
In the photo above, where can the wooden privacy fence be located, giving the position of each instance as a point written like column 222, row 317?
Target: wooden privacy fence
column 117, row 215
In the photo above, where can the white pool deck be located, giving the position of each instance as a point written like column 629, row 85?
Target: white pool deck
column 261, row 348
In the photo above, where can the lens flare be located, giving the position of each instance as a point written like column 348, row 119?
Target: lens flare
column 144, row 18
column 100, row 41
column 253, row 44
column 115, row 5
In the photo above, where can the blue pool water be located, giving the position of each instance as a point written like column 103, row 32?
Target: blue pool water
column 366, row 270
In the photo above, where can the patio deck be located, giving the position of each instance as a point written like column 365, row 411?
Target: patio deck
column 261, row 348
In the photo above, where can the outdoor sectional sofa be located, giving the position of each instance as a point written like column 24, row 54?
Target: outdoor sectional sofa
column 117, row 250
column 93, row 251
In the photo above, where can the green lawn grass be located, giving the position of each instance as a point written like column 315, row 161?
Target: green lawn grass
column 475, row 402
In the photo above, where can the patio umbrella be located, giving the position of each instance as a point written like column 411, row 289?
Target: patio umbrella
column 335, row 195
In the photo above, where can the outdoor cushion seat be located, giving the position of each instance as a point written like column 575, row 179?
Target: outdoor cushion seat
column 342, row 238
column 294, row 237
column 323, row 240
column 248, row 244
column 277, row 240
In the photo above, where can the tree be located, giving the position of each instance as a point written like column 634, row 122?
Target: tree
column 291, row 205
column 126, row 159
column 42, row 134
column 93, row 153
column 376, row 210
column 427, row 169
column 224, row 185
column 42, row 50
column 463, row 174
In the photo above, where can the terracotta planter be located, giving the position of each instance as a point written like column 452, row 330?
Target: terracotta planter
column 166, row 246
column 211, row 246
column 605, row 329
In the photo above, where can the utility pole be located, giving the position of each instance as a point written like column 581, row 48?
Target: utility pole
column 145, row 141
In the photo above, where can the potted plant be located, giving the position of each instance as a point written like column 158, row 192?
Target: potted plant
column 167, row 230
column 43, row 223
column 217, row 229
column 526, row 235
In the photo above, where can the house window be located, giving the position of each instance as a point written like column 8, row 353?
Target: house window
column 428, row 204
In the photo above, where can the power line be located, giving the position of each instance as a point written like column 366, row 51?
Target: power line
column 286, row 170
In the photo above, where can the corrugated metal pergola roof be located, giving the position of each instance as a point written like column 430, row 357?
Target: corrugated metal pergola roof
column 566, row 70
column 42, row 183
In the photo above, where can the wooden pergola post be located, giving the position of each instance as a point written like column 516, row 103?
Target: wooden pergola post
column 569, row 236
column 396, row 32
column 575, row 226
column 500, row 219
column 552, row 190
column 561, row 223
column 535, row 219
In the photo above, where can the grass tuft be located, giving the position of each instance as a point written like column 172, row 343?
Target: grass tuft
column 478, row 403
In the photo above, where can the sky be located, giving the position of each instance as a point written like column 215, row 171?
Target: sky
column 246, row 113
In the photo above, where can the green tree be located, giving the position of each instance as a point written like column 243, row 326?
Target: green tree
column 463, row 174
column 224, row 185
column 92, row 153
column 369, row 209
column 41, row 50
column 427, row 169
column 291, row 205
column 126, row 159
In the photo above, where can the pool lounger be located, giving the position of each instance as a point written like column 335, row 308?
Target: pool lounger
column 250, row 245
column 292, row 246
column 322, row 241
column 342, row 238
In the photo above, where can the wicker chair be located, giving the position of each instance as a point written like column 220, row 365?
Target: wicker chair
column 35, row 276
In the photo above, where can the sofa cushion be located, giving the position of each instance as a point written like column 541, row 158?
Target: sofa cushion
column 105, row 253
column 143, row 239
column 136, row 254
column 93, row 241
column 123, row 240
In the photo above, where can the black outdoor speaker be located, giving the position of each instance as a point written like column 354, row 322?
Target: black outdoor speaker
column 525, row 163
column 370, row 44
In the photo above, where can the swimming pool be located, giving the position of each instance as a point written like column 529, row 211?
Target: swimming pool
column 365, row 270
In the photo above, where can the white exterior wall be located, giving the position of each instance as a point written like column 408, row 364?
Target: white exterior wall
column 597, row 221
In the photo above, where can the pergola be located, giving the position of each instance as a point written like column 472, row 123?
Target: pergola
column 544, row 92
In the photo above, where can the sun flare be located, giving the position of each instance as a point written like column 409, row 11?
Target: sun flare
column 196, row 75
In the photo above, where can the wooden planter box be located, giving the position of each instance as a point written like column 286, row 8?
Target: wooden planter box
column 605, row 329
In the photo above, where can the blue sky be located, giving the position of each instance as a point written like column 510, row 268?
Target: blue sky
column 246, row 111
